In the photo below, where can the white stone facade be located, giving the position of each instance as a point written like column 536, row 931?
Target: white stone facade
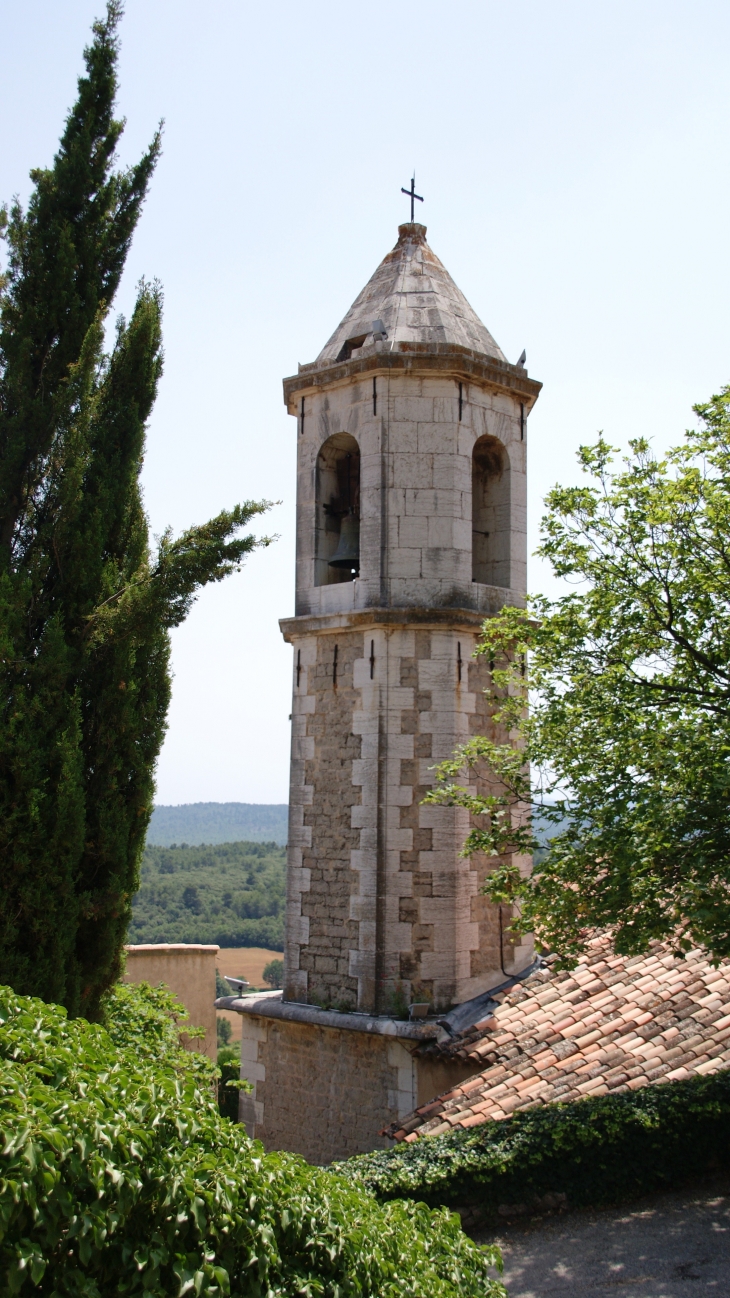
column 415, row 490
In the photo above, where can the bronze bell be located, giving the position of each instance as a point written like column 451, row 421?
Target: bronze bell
column 347, row 554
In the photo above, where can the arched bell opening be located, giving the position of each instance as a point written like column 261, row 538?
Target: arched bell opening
column 490, row 501
column 337, row 511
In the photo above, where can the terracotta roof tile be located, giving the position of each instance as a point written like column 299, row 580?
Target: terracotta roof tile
column 613, row 1023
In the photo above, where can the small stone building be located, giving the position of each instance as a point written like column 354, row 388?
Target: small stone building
column 411, row 431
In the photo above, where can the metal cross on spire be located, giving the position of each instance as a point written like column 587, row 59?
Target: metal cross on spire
column 412, row 194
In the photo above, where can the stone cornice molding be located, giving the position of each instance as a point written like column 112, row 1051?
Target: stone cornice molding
column 462, row 619
column 438, row 360
column 272, row 1006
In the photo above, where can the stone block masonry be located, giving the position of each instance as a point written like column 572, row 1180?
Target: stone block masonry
column 382, row 908
column 329, row 816
column 415, row 504
column 346, row 1083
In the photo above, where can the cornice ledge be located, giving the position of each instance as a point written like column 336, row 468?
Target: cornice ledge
column 418, row 358
column 459, row 618
column 273, row 1007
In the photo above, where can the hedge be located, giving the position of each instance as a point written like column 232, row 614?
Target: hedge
column 594, row 1151
column 119, row 1176
column 229, row 1065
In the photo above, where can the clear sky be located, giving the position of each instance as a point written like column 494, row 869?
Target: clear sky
column 574, row 162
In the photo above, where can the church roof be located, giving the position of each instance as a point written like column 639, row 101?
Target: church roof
column 614, row 1023
column 416, row 300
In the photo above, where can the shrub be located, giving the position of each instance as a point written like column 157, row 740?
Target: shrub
column 595, row 1151
column 229, row 1063
column 119, row 1176
column 274, row 973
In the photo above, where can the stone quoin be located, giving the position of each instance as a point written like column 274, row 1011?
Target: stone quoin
column 411, row 430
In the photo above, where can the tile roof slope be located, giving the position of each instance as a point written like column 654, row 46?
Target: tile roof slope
column 613, row 1023
column 417, row 300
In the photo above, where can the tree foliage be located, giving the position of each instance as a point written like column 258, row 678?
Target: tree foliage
column 119, row 1176
column 85, row 607
column 628, row 733
column 233, row 894
column 223, row 1030
column 274, row 973
column 230, row 1084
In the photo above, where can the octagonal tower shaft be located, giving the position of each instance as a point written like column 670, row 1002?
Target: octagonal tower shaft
column 411, row 446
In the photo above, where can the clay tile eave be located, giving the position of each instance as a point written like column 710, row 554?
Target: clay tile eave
column 604, row 1043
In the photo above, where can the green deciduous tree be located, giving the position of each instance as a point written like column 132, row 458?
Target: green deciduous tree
column 85, row 607
column 629, row 726
column 274, row 973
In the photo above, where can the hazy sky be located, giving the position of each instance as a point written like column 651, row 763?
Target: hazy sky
column 574, row 161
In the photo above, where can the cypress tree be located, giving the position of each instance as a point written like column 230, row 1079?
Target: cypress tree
column 85, row 605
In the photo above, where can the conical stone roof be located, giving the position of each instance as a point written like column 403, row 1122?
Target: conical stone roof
column 417, row 301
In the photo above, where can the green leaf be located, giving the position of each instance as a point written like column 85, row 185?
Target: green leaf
column 622, row 760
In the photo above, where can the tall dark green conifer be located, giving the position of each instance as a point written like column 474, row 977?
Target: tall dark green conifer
column 85, row 609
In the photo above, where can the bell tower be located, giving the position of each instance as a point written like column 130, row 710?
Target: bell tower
column 411, row 453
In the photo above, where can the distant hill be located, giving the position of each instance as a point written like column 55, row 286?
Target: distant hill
column 544, row 830
column 195, row 823
column 230, row 893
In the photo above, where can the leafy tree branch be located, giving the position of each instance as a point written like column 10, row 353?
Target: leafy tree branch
column 618, row 777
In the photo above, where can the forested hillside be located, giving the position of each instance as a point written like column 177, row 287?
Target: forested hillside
column 219, row 822
column 229, row 893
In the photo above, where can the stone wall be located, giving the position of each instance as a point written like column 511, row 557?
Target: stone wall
column 188, row 969
column 332, row 931
column 326, row 1093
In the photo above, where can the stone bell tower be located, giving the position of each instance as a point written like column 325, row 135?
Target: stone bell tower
column 410, row 430
column 411, row 446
